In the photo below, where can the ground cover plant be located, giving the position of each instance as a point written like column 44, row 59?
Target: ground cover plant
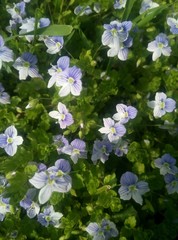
column 88, row 119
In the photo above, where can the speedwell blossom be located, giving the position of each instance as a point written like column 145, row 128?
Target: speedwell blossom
column 49, row 217
column 132, row 188
column 70, row 82
column 30, row 206
column 120, row 148
column 166, row 164
column 162, row 104
column 82, row 10
column 5, row 207
column 118, row 4
column 26, row 65
column 60, row 141
column 56, row 70
column 113, row 130
column 17, row 12
column 116, row 31
column 76, row 149
column 103, row 231
column 62, row 115
column 54, row 44
column 124, row 113
column 147, row 4
column 9, row 140
column 171, row 183
column 173, row 23
column 54, row 179
column 101, row 150
column 4, row 97
column 6, row 54
column 160, row 46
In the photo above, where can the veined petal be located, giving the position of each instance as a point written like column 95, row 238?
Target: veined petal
column 170, row 105
column 45, row 194
column 137, row 197
column 33, row 72
column 76, row 88
column 92, row 228
column 3, row 140
column 124, row 193
column 63, row 62
column 123, row 54
column 142, row 187
column 63, row 165
column 11, row 149
column 54, row 114
column 65, row 90
column 11, row 132
column 39, row 180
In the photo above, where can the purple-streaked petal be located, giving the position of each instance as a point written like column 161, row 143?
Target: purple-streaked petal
column 123, row 54
column 132, row 112
column 79, row 144
column 39, row 180
column 124, row 193
column 11, row 131
column 63, row 165
column 3, row 140
column 92, row 228
column 76, row 88
column 11, row 149
column 128, row 178
column 142, row 187
column 63, row 62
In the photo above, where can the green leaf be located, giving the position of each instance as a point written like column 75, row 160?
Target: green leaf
column 128, row 9
column 147, row 16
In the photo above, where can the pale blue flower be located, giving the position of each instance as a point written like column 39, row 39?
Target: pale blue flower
column 54, row 44
column 30, row 206
column 103, row 231
column 132, row 188
column 56, row 70
column 147, row 4
column 5, row 207
column 173, row 23
column 120, row 49
column 97, row 7
column 49, row 217
column 70, row 82
column 6, row 54
column 101, row 151
column 54, row 179
column 60, row 141
column 17, row 12
column 116, row 31
column 62, row 115
column 162, row 104
column 81, row 10
column 113, row 130
column 160, row 46
column 76, row 149
column 9, row 140
column 120, row 148
column 124, row 113
column 118, row 4
column 166, row 164
column 26, row 65
column 4, row 97
column 171, row 183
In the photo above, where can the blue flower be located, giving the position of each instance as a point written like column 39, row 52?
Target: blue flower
column 173, row 23
column 132, row 188
column 54, row 179
column 26, row 65
column 30, row 206
column 120, row 148
column 54, row 44
column 56, row 70
column 9, row 140
column 49, row 217
column 116, row 31
column 60, row 141
column 103, row 231
column 147, row 4
column 17, row 12
column 113, row 130
column 118, row 4
column 76, row 150
column 166, row 164
column 70, row 82
column 159, row 46
column 6, row 54
column 162, row 104
column 101, row 151
column 124, row 113
column 4, row 97
column 5, row 207
column 81, row 10
column 62, row 115
column 171, row 183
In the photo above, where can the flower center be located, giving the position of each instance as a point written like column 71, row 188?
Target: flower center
column 10, row 140
column 76, row 151
column 26, row 64
column 60, row 173
column 103, row 149
column 160, row 45
column 58, row 45
column 62, row 116
column 132, row 188
column 162, row 105
column 59, row 70
column 71, row 80
column 114, row 32
column 112, row 130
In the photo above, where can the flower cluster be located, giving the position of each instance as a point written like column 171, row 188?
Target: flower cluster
column 116, row 37
column 167, row 166
column 103, row 231
column 52, row 179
